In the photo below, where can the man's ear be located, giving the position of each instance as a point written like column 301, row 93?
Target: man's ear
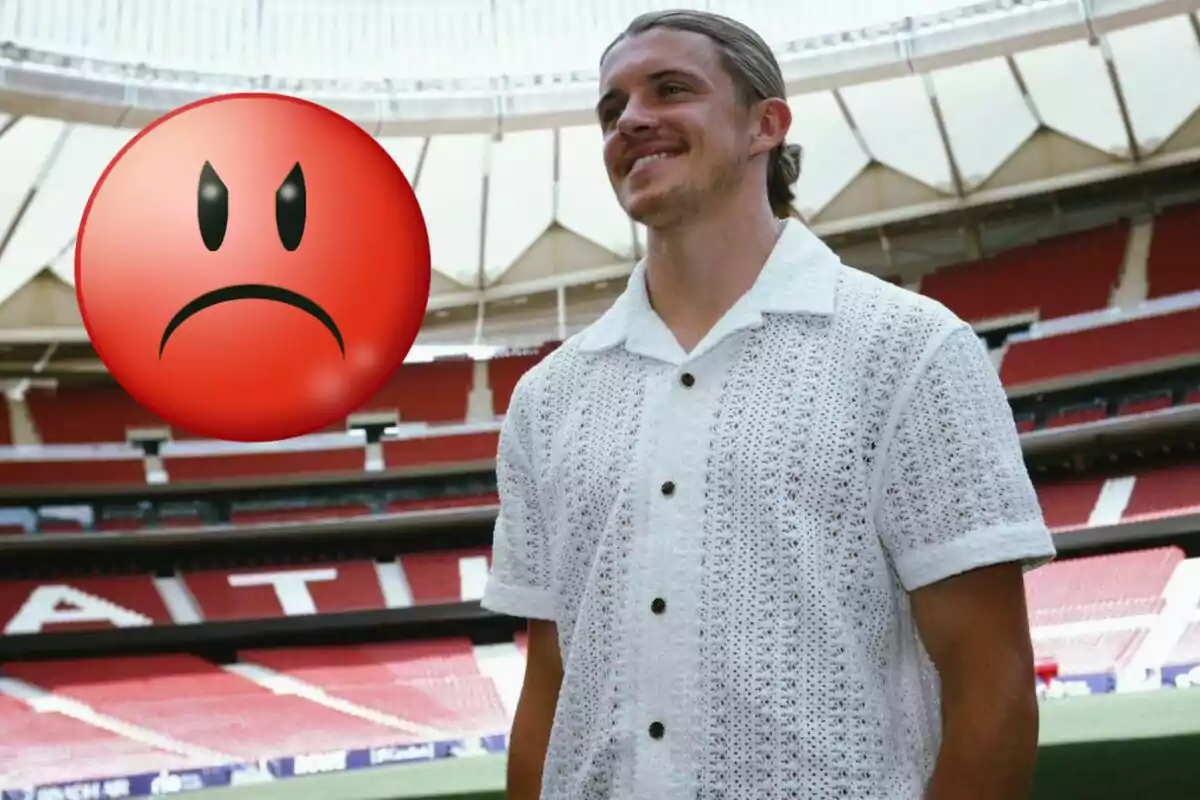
column 773, row 118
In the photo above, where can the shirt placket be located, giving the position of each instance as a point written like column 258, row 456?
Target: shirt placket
column 673, row 491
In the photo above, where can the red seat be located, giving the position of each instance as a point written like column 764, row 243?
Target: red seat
column 505, row 371
column 1164, row 492
column 431, row 450
column 1104, row 351
column 427, row 392
column 1145, row 403
column 199, row 704
column 5, row 424
column 49, row 747
column 184, row 469
column 1069, row 504
column 1174, row 266
column 1100, row 587
column 433, row 683
column 1057, row 277
column 72, row 473
column 436, row 578
column 74, row 415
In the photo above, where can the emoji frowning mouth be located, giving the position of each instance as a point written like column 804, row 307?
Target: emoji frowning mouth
column 251, row 291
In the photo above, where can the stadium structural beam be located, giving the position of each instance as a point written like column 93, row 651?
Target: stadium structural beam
column 855, row 130
column 561, row 308
column 1097, row 39
column 1023, row 87
column 27, row 202
column 885, row 244
column 970, row 229
column 9, row 124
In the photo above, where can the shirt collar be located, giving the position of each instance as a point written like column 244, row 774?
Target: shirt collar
column 799, row 277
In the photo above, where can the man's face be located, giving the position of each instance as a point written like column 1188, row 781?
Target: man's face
column 675, row 136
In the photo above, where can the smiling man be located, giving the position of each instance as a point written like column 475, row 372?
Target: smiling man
column 768, row 516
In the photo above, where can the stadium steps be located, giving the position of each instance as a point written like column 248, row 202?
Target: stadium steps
column 1181, row 600
column 1113, row 499
column 1093, row 616
column 505, row 665
column 186, row 699
column 437, row 683
column 99, row 744
column 1133, row 288
column 287, row 685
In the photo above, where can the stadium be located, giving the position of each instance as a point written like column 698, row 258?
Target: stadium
column 301, row 618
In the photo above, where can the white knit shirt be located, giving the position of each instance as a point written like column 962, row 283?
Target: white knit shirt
column 725, row 537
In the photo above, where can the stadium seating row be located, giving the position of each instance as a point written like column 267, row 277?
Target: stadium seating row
column 34, row 606
column 129, row 469
column 121, row 716
column 1057, row 278
column 439, row 392
column 1167, row 491
column 1128, row 618
column 1096, row 618
column 1072, row 274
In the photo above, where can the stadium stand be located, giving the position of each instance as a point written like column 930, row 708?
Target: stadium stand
column 200, row 704
column 1058, row 277
column 1172, row 267
column 1170, row 491
column 435, row 683
column 31, row 750
column 311, row 606
column 86, row 415
column 1148, row 344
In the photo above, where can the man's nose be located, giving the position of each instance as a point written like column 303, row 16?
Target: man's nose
column 636, row 117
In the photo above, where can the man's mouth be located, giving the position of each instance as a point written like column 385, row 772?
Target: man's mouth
column 652, row 158
column 648, row 160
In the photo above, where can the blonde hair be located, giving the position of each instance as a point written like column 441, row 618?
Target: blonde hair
column 756, row 76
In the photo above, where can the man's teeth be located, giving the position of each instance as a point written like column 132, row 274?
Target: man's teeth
column 648, row 159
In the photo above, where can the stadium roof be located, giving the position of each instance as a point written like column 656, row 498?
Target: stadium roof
column 907, row 109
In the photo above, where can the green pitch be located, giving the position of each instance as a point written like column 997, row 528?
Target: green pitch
column 1098, row 747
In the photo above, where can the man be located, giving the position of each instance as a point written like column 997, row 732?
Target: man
column 768, row 516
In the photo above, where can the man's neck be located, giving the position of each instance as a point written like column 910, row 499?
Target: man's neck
column 697, row 271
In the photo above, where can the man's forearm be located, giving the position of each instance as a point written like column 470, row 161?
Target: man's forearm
column 989, row 746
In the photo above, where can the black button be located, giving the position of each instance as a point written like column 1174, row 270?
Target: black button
column 657, row 730
column 659, row 605
column 668, row 488
column 687, row 379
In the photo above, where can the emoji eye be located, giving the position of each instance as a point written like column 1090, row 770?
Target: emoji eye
column 212, row 207
column 290, row 209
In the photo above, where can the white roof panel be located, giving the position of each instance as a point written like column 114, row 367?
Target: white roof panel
column 1070, row 88
column 406, row 152
column 24, row 158
column 985, row 114
column 832, row 155
column 586, row 203
column 1152, row 62
column 52, row 219
column 899, row 128
column 520, row 197
column 451, row 195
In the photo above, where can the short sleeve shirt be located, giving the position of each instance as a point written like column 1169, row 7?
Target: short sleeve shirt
column 726, row 538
